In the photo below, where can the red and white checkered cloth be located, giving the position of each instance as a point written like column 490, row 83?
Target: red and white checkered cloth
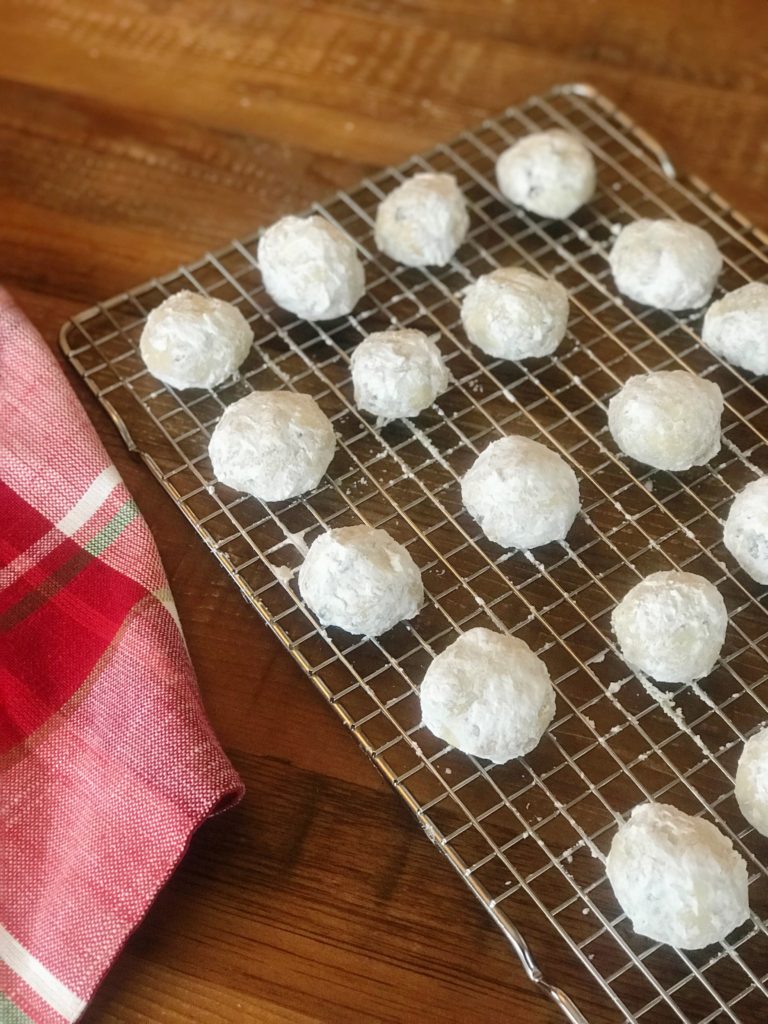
column 107, row 762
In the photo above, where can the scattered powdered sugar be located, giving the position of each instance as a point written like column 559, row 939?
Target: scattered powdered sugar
column 728, row 443
column 703, row 695
column 297, row 539
column 668, row 706
column 282, row 572
column 433, row 451
column 430, row 831
column 568, row 854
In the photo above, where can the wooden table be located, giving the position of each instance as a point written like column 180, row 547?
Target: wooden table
column 135, row 135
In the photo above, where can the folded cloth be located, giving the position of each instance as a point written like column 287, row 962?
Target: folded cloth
column 107, row 762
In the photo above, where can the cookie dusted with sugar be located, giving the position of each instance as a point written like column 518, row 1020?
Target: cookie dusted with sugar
column 398, row 373
column 667, row 264
column 668, row 419
column 273, row 445
column 751, row 788
column 671, row 626
column 736, row 327
column 512, row 313
column 193, row 341
column 422, row 222
column 551, row 173
column 489, row 695
column 746, row 529
column 360, row 579
column 311, row 268
column 677, row 878
column 521, row 493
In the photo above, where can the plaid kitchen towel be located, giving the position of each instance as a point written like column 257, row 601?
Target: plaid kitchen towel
column 107, row 762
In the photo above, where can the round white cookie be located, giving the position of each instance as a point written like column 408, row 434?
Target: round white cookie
column 514, row 314
column 746, row 529
column 668, row 264
column 193, row 341
column 521, row 493
column 671, row 626
column 398, row 373
column 752, row 781
column 361, row 580
column 551, row 173
column 273, row 445
column 677, row 878
column 422, row 222
column 311, row 268
column 489, row 695
column 736, row 327
column 668, row 419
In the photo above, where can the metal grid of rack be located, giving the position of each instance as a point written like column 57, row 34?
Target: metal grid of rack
column 529, row 836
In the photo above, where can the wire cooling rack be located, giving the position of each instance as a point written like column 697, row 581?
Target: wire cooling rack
column 528, row 837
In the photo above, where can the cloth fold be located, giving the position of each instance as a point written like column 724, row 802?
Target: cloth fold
column 107, row 761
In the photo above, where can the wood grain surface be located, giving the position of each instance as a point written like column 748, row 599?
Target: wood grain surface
column 133, row 136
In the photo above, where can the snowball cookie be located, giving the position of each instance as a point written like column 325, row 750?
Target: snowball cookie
column 311, row 268
column 514, row 314
column 678, row 878
column 423, row 221
column 736, row 327
column 746, row 529
column 665, row 263
column 193, row 341
column 398, row 373
column 752, row 781
column 668, row 419
column 671, row 625
column 521, row 493
column 488, row 695
column 272, row 444
column 551, row 173
column 361, row 580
